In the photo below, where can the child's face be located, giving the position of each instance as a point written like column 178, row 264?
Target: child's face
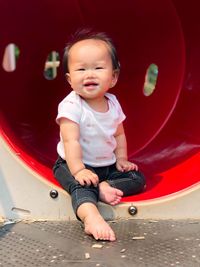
column 91, row 72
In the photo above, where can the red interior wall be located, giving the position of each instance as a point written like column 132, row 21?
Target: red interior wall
column 162, row 129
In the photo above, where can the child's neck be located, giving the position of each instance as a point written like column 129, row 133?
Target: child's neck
column 99, row 105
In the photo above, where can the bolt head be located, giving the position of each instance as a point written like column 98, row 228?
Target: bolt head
column 53, row 193
column 132, row 210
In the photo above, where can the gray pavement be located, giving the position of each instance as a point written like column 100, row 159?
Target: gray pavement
column 139, row 243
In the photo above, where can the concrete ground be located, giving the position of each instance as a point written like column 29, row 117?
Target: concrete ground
column 139, row 243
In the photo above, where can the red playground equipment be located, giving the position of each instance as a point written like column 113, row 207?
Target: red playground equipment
column 162, row 126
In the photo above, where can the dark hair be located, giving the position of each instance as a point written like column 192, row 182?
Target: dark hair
column 84, row 34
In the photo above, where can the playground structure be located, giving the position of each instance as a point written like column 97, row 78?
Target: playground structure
column 163, row 129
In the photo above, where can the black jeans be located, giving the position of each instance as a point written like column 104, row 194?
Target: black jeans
column 130, row 183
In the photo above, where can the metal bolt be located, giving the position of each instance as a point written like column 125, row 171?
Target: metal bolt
column 132, row 210
column 53, row 193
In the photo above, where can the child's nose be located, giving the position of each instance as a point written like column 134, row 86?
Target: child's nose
column 89, row 73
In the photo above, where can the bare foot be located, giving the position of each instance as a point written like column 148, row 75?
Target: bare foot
column 96, row 226
column 109, row 194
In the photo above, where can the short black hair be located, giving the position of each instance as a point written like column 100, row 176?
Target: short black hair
column 84, row 34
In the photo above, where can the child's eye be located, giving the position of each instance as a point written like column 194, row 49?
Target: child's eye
column 81, row 69
column 99, row 68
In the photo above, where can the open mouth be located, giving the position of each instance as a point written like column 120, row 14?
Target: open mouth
column 90, row 85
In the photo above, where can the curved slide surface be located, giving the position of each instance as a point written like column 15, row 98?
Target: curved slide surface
column 163, row 128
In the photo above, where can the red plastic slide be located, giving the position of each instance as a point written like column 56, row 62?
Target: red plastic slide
column 163, row 129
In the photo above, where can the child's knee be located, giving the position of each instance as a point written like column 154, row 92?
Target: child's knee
column 140, row 179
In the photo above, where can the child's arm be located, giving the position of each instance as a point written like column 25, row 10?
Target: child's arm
column 122, row 162
column 73, row 153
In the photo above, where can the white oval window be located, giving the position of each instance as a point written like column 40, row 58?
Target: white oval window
column 10, row 57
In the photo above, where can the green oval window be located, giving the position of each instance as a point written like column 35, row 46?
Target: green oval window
column 150, row 80
column 51, row 65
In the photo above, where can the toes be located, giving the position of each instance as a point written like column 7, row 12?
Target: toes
column 108, row 235
column 116, row 201
column 119, row 192
column 104, row 234
column 112, row 236
column 98, row 235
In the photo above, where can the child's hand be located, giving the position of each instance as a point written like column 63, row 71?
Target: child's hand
column 125, row 165
column 86, row 177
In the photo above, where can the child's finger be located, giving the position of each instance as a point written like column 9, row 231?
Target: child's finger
column 95, row 179
column 81, row 181
column 119, row 167
column 91, row 179
column 134, row 167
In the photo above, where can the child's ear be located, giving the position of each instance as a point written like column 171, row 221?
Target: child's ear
column 68, row 78
column 115, row 77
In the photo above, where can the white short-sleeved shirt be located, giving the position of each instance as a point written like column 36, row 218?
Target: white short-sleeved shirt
column 97, row 129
